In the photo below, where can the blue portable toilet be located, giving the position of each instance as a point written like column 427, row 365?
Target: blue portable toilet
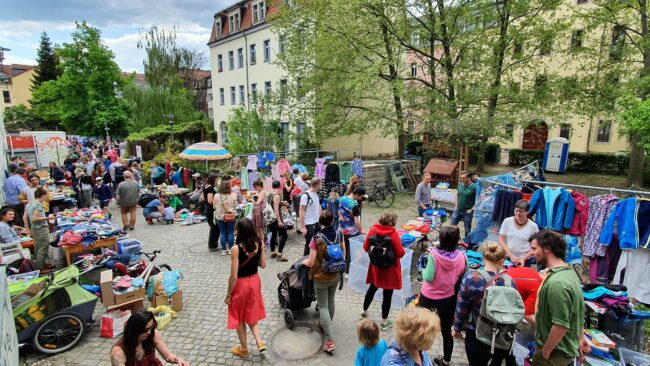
column 556, row 154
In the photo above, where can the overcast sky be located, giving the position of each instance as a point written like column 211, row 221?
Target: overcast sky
column 21, row 23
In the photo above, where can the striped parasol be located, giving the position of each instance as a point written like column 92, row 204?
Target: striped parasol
column 205, row 151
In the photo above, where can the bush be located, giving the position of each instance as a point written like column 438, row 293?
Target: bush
column 520, row 157
column 491, row 151
column 414, row 147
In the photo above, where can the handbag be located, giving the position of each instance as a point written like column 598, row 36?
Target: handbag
column 113, row 323
column 269, row 212
column 229, row 216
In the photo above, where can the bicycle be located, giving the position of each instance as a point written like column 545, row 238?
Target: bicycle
column 139, row 269
column 383, row 196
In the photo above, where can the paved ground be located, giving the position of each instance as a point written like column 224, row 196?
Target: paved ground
column 199, row 334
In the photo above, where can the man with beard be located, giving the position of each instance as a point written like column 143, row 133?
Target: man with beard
column 560, row 306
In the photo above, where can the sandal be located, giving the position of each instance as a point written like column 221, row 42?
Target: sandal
column 281, row 258
column 239, row 352
column 261, row 347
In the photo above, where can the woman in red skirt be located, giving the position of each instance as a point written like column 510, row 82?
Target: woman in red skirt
column 244, row 299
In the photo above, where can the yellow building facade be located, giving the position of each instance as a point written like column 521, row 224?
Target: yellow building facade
column 15, row 85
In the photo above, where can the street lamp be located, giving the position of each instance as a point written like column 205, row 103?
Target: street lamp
column 171, row 124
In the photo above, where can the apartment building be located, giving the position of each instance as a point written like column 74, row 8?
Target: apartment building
column 15, row 85
column 243, row 48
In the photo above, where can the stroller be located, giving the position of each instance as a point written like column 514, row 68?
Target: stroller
column 54, row 317
column 291, row 295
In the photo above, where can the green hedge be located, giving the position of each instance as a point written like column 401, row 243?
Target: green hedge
column 583, row 162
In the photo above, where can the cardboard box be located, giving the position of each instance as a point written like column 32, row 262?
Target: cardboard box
column 175, row 302
column 110, row 298
column 133, row 305
column 33, row 290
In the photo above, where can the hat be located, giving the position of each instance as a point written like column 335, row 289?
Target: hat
column 196, row 175
column 99, row 178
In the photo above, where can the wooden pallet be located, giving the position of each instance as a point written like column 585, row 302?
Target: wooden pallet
column 409, row 173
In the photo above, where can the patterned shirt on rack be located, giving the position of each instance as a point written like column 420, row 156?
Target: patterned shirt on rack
column 599, row 209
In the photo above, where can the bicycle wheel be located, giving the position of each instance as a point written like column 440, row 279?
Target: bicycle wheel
column 384, row 198
column 58, row 333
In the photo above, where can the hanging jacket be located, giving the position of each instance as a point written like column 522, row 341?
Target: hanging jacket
column 284, row 166
column 504, row 205
column 599, row 209
column 357, row 167
column 626, row 227
column 554, row 208
column 579, row 225
column 642, row 215
column 332, row 173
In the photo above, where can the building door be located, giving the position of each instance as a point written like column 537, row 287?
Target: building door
column 535, row 136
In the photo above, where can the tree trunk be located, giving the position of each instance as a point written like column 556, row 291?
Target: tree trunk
column 480, row 159
column 397, row 100
column 635, row 169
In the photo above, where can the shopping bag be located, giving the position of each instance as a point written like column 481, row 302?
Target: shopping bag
column 113, row 323
column 163, row 314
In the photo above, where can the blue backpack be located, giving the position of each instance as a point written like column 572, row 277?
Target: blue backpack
column 333, row 258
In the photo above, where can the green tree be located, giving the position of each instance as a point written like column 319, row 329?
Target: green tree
column 250, row 131
column 614, row 62
column 635, row 119
column 46, row 63
column 85, row 98
column 20, row 117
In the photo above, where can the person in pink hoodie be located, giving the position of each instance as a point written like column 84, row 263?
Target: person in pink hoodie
column 445, row 268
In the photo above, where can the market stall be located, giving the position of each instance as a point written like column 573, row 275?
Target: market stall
column 84, row 230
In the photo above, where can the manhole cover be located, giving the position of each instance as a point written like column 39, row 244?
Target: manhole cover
column 200, row 248
column 297, row 344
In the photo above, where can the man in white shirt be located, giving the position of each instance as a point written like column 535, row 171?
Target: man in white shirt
column 514, row 234
column 310, row 212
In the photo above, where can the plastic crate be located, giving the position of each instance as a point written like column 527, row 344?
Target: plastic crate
column 629, row 357
column 359, row 262
column 130, row 247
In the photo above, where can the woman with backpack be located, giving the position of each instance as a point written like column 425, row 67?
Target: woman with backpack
column 325, row 282
column 385, row 249
column 445, row 268
column 225, row 205
column 470, row 297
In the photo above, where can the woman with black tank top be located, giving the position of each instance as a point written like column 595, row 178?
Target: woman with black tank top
column 244, row 299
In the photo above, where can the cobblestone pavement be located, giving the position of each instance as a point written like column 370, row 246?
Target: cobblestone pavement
column 199, row 333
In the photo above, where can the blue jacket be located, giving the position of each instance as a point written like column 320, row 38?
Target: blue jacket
column 554, row 208
column 626, row 229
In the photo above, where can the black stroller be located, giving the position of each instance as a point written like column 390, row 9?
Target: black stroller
column 292, row 294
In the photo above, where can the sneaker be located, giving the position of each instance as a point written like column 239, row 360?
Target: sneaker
column 223, row 253
column 125, row 229
column 440, row 361
column 228, row 251
column 329, row 346
column 281, row 258
column 386, row 325
column 364, row 314
column 345, row 275
column 131, row 228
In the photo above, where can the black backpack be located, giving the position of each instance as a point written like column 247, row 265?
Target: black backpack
column 381, row 251
column 146, row 198
column 119, row 173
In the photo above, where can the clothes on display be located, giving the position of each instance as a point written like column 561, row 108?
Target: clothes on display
column 573, row 254
column 245, row 183
column 301, row 168
column 598, row 211
column 252, row 162
column 579, row 225
column 345, row 170
column 235, row 163
column 319, row 171
column 504, row 204
column 602, row 269
column 332, row 173
column 252, row 177
column 554, row 208
column 284, row 166
column 275, row 172
column 632, row 228
column 357, row 167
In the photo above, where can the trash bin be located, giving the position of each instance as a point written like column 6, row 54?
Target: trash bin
column 556, row 154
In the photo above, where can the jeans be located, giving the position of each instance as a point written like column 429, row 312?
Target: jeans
column 445, row 309
column 466, row 217
column 276, row 231
column 385, row 303
column 325, row 292
column 421, row 210
column 227, row 230
column 312, row 230
column 478, row 353
column 213, row 238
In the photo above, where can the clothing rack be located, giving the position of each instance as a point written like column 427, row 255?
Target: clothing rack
column 611, row 190
column 499, row 183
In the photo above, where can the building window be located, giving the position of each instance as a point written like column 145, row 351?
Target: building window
column 580, row 2
column 217, row 24
column 565, row 130
column 219, row 63
column 414, row 69
column 233, row 96
column 254, row 91
column 545, row 46
column 618, row 42
column 240, row 57
column 541, row 86
column 234, row 22
column 223, row 131
column 267, row 50
column 604, row 131
column 242, row 94
column 518, row 48
column 577, row 38
column 6, row 96
column 299, row 89
column 410, row 128
column 259, row 12
column 231, row 60
column 300, row 134
column 284, row 135
column 222, row 96
column 267, row 87
column 510, row 130
column 209, row 96
column 253, row 55
column 281, row 43
column 210, row 112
